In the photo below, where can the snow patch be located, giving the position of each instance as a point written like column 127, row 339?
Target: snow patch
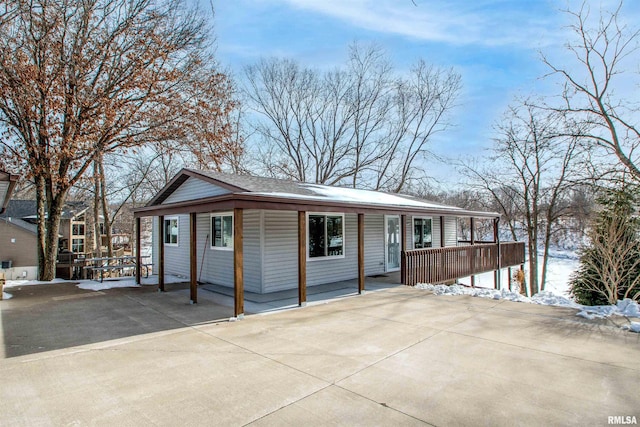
column 107, row 284
column 474, row 292
column 633, row 327
column 6, row 295
column 626, row 307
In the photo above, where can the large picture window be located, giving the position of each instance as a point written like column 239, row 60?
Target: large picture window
column 422, row 236
column 326, row 235
column 171, row 231
column 222, row 231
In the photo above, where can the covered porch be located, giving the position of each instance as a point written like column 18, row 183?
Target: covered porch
column 429, row 265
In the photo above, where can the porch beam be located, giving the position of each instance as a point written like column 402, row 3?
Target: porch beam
column 161, row 254
column 238, row 279
column 360, row 253
column 193, row 261
column 403, row 249
column 138, row 245
column 302, row 258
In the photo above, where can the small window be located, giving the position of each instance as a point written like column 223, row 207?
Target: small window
column 77, row 246
column 422, row 237
column 171, row 231
column 222, row 231
column 77, row 229
column 326, row 235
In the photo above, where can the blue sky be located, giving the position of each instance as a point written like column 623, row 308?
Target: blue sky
column 493, row 44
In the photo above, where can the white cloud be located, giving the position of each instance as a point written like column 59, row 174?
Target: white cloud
column 485, row 23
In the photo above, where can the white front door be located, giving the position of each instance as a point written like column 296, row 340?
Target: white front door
column 392, row 242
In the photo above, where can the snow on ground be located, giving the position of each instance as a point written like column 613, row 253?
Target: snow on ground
column 626, row 308
column 562, row 264
column 120, row 282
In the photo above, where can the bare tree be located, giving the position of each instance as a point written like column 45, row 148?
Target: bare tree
column 533, row 166
column 79, row 79
column 360, row 125
column 601, row 72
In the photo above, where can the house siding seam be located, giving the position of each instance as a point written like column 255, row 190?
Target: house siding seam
column 194, row 188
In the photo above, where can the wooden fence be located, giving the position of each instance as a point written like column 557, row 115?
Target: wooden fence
column 437, row 265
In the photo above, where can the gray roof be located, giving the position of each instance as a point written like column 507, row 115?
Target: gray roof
column 22, row 209
column 31, row 228
column 270, row 193
column 257, row 184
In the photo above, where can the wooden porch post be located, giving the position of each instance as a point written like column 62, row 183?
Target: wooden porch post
column 473, row 251
column 238, row 280
column 138, row 245
column 193, row 262
column 161, row 254
column 302, row 258
column 360, row 253
column 403, row 249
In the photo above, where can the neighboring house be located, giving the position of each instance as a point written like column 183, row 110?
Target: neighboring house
column 18, row 234
column 266, row 235
column 7, row 184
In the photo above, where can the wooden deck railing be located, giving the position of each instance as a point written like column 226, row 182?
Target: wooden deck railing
column 437, row 265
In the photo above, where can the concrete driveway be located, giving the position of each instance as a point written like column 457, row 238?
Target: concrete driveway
column 398, row 356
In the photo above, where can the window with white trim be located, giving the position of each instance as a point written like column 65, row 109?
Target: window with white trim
column 222, row 231
column 77, row 229
column 422, row 232
column 171, row 230
column 77, row 246
column 325, row 235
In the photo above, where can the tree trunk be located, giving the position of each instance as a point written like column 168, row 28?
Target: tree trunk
column 97, row 238
column 49, row 214
column 105, row 208
column 41, row 202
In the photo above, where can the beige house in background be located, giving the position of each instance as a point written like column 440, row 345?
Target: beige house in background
column 18, row 234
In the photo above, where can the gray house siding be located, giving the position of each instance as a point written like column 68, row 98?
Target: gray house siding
column 193, row 189
column 217, row 267
column 451, row 231
column 176, row 258
column 281, row 252
column 373, row 244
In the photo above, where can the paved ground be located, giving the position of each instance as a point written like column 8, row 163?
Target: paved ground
column 398, row 356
